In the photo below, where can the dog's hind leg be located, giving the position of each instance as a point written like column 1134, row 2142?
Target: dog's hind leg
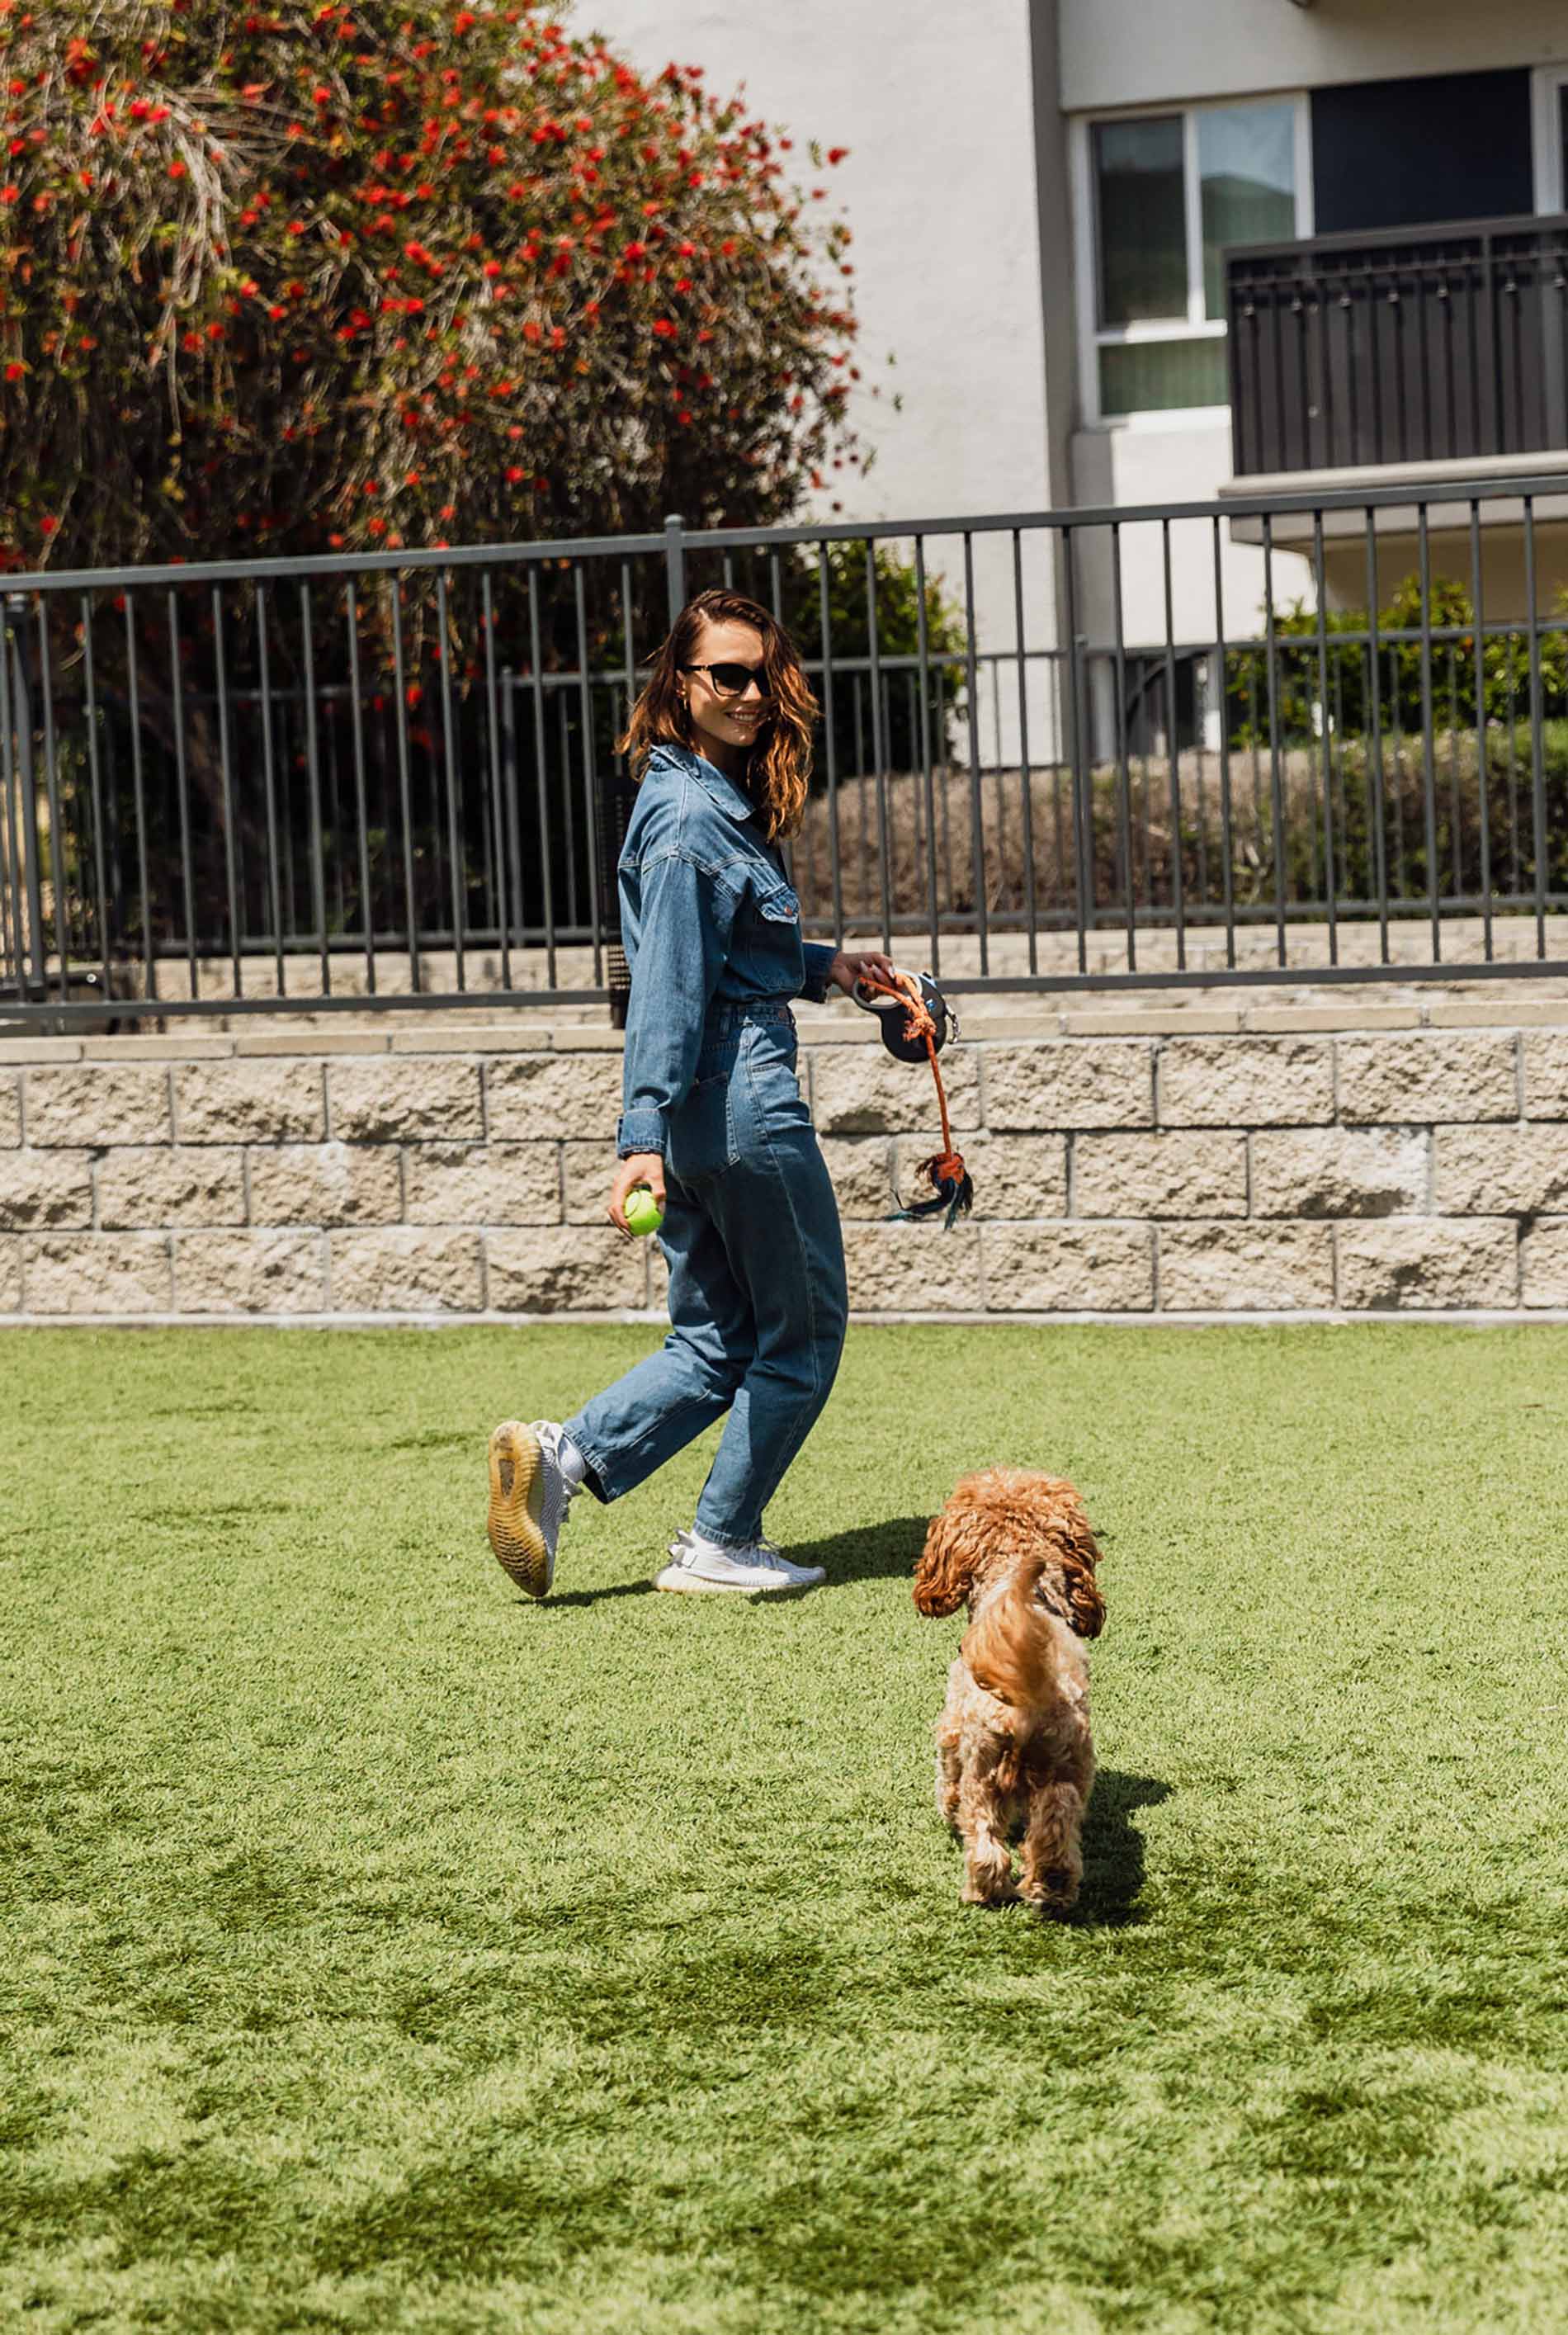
column 987, row 1869
column 987, row 1858
column 1052, row 1857
column 949, row 1775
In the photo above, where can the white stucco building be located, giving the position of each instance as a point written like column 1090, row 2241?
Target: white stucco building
column 1043, row 194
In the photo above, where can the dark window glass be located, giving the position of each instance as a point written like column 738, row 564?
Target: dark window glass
column 1411, row 153
column 1140, row 213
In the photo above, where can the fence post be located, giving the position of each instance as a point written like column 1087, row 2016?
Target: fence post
column 675, row 563
column 615, row 799
column 30, row 947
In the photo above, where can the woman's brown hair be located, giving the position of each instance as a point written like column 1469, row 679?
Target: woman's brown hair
column 779, row 768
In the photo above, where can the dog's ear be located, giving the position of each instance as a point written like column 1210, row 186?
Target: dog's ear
column 945, row 1571
column 1085, row 1603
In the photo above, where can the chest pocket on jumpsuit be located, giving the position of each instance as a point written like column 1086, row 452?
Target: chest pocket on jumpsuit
column 765, row 949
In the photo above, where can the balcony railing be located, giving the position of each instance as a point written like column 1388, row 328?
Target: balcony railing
column 1415, row 345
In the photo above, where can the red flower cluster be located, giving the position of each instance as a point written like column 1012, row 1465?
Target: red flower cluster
column 427, row 231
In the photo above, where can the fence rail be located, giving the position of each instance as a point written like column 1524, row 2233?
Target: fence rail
column 392, row 782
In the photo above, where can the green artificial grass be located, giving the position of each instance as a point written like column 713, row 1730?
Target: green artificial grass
column 381, row 1951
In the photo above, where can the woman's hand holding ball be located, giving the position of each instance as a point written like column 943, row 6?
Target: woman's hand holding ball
column 647, row 1210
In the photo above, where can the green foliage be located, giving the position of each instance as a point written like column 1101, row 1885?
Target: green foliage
column 311, row 277
column 1403, row 668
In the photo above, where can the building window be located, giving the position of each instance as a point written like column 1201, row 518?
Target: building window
column 1167, row 193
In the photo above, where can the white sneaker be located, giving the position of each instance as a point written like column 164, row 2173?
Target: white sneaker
column 529, row 1496
column 756, row 1569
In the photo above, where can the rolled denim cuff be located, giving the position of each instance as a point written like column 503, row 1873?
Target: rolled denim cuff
column 640, row 1131
column 819, row 957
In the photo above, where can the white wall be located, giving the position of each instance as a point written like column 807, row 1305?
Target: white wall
column 1146, row 51
column 940, row 190
column 1122, row 52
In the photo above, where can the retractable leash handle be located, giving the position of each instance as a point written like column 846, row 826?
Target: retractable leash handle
column 915, row 1023
column 901, row 1033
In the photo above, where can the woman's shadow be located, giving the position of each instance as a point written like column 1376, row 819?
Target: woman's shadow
column 878, row 1552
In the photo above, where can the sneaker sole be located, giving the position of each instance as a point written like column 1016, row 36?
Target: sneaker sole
column 676, row 1578
column 516, row 1495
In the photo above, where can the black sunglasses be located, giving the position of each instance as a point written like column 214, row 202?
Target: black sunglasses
column 730, row 679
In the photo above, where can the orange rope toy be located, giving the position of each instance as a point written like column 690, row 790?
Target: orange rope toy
column 952, row 1189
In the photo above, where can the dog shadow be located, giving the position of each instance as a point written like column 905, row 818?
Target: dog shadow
column 1113, row 1849
column 884, row 1551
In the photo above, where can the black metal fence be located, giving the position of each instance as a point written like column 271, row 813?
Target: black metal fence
column 394, row 780
column 1417, row 344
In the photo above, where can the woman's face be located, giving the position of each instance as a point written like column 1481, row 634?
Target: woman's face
column 727, row 706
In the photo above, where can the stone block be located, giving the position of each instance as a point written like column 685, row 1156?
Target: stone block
column 1048, row 1268
column 1063, row 1082
column 1153, row 1021
column 1016, row 1177
column 1222, row 1267
column 581, row 1269
column 324, row 1184
column 312, row 1042
column 1497, row 1171
column 405, row 1269
column 913, row 1269
column 1429, row 1261
column 1340, row 1171
column 861, row 1168
column 39, row 1050
column 97, row 1273
column 1434, row 1075
column 87, row 1105
column 587, row 1170
column 270, row 1272
column 1543, row 1261
column 40, row 1188
column 1246, row 1081
column 534, row 1097
column 10, row 1111
column 862, row 1090
column 258, row 1100
column 10, row 1274
column 1350, row 1013
column 1182, row 1175
column 141, row 1189
column 1545, row 1073
column 404, row 1099
column 1493, row 1013
column 482, row 1184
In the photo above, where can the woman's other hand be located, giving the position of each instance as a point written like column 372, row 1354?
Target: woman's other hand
column 847, row 969
column 640, row 1168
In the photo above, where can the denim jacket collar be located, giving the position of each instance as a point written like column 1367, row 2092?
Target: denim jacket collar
column 721, row 791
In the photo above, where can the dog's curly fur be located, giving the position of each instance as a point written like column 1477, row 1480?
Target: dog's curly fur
column 1014, row 1760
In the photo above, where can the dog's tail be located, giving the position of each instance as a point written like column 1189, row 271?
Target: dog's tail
column 1010, row 1651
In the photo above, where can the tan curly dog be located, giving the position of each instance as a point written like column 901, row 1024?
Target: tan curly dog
column 1014, row 1758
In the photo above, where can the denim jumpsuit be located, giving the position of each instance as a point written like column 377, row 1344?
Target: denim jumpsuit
column 712, row 931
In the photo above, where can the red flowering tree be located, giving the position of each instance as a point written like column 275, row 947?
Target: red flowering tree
column 304, row 276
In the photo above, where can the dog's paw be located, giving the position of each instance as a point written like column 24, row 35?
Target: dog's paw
column 989, row 1893
column 1053, row 1893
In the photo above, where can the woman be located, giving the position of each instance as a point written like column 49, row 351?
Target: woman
column 713, row 1121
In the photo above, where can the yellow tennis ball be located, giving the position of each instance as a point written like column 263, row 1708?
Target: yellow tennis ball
column 643, row 1212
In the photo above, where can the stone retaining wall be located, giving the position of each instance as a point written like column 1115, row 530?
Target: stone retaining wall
column 1347, row 1158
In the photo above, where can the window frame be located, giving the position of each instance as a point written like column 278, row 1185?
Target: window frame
column 1092, row 336
column 1546, row 85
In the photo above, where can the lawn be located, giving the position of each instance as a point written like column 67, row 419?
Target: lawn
column 380, row 1951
